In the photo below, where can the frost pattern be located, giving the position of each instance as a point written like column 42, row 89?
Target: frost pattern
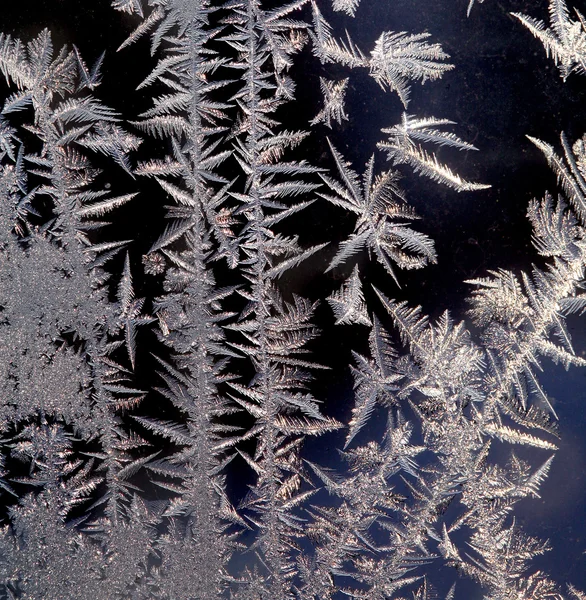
column 110, row 495
column 564, row 40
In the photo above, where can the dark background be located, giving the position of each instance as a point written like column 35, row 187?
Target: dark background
column 502, row 89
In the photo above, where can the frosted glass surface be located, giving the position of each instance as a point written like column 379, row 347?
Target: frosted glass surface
column 291, row 300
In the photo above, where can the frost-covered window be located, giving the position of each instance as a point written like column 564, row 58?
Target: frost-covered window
column 262, row 336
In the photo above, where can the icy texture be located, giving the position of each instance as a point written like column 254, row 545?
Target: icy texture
column 108, row 496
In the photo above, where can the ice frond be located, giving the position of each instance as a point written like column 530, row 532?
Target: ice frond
column 129, row 6
column 333, row 98
column 555, row 229
column 570, row 172
column 289, row 263
column 564, row 40
column 375, row 381
column 513, row 436
column 89, row 78
column 425, row 130
column 396, row 60
column 470, row 5
column 8, row 138
column 32, row 67
column 347, row 6
column 382, row 224
column 499, row 298
column 409, row 321
column 348, row 302
column 504, row 553
column 147, row 24
column 112, row 141
column 575, row 594
column 321, row 32
column 84, row 110
column 400, row 57
column 403, row 147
